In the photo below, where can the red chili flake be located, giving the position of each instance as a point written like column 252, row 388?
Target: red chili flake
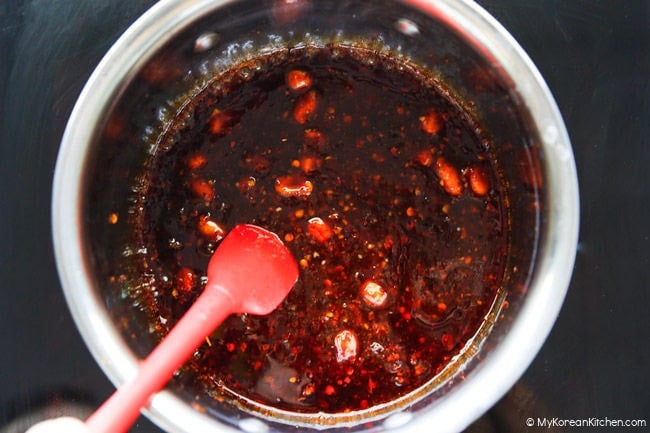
column 329, row 390
column 406, row 314
column 447, row 341
column 196, row 161
column 185, row 279
column 230, row 347
column 314, row 138
column 310, row 164
column 449, row 177
column 308, row 389
column 372, row 385
column 424, row 158
column 373, row 294
column 210, row 229
column 219, row 121
column 392, row 357
column 346, row 345
column 202, row 188
column 478, row 181
column 246, row 183
column 305, row 107
column 293, row 186
column 298, row 80
column 431, row 123
column 319, row 229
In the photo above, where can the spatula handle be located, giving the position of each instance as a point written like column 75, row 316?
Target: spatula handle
column 122, row 409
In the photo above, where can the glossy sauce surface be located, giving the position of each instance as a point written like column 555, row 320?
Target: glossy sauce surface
column 384, row 190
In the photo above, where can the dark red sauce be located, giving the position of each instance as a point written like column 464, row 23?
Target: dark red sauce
column 383, row 188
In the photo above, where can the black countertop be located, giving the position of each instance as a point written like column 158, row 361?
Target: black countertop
column 595, row 56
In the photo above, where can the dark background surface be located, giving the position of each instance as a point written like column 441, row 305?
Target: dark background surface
column 595, row 56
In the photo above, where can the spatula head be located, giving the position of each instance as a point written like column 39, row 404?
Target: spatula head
column 255, row 267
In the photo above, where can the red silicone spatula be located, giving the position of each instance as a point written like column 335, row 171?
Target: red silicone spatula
column 251, row 272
